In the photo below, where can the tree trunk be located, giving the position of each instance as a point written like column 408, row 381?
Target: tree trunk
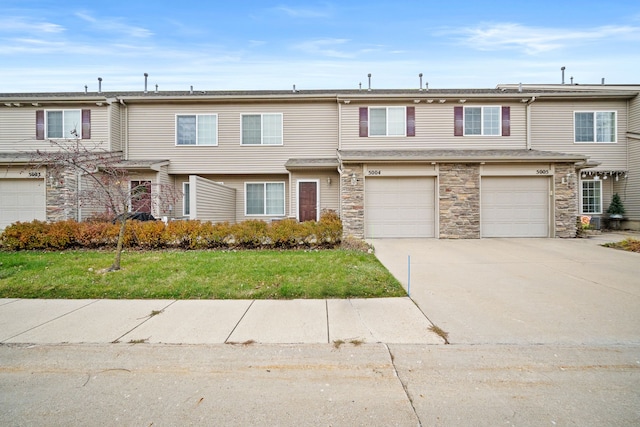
column 116, row 262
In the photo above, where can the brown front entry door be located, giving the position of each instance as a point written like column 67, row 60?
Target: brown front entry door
column 308, row 201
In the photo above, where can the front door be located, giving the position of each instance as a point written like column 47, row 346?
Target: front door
column 141, row 196
column 308, row 201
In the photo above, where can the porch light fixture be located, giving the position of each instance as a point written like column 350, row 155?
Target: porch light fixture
column 354, row 179
column 328, row 180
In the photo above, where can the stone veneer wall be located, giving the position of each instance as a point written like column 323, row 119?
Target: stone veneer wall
column 566, row 199
column 459, row 195
column 352, row 202
column 62, row 194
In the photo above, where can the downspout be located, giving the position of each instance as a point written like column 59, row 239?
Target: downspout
column 528, row 112
column 338, row 156
column 124, row 130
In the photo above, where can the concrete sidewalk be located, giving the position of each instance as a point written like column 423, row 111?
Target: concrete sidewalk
column 387, row 320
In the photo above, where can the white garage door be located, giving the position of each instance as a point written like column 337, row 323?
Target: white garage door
column 21, row 200
column 399, row 207
column 514, row 207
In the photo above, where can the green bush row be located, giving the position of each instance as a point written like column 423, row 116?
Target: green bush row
column 251, row 234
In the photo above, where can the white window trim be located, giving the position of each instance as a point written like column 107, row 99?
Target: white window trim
column 46, row 123
column 615, row 118
column 184, row 199
column 196, row 144
column 404, row 132
column 284, row 199
column 299, row 181
column 262, row 144
column 581, row 197
column 482, row 107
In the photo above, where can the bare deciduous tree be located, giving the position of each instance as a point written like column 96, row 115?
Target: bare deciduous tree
column 103, row 183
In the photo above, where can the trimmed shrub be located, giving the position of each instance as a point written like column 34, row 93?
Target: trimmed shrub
column 251, row 234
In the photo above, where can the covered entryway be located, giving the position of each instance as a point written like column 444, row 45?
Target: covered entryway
column 22, row 200
column 307, row 200
column 514, row 207
column 399, row 207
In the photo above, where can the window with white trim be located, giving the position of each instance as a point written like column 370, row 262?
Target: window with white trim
column 482, row 120
column 63, row 123
column 387, row 121
column 595, row 126
column 262, row 129
column 197, row 129
column 264, row 198
column 591, row 197
column 186, row 199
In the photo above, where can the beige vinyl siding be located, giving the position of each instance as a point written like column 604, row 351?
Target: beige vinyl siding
column 329, row 192
column 552, row 129
column 629, row 188
column 634, row 115
column 434, row 129
column 115, row 135
column 211, row 201
column 18, row 128
column 309, row 131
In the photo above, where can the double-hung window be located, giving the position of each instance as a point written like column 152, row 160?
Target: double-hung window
column 197, row 129
column 63, row 123
column 262, row 129
column 482, row 121
column 595, row 126
column 387, row 121
column 591, row 197
column 264, row 198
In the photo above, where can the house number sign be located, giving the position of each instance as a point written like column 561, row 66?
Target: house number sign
column 374, row 172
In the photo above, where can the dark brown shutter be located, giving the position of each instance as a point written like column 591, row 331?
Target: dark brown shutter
column 364, row 121
column 458, row 121
column 39, row 124
column 411, row 121
column 506, row 121
column 86, row 124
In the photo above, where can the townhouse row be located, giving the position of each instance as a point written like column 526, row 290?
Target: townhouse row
column 515, row 161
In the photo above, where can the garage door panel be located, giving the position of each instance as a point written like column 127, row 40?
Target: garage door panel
column 21, row 200
column 399, row 207
column 515, row 207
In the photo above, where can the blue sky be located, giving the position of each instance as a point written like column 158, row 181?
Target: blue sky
column 58, row 45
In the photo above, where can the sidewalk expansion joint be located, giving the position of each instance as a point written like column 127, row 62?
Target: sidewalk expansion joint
column 404, row 386
column 238, row 322
column 146, row 319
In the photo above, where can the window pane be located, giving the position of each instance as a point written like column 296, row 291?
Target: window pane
column 606, row 126
column 54, row 124
column 255, row 199
column 396, row 121
column 584, row 127
column 251, row 129
column 491, row 120
column 72, row 122
column 275, row 199
column 207, row 130
column 186, row 199
column 186, row 130
column 272, row 129
column 591, row 196
column 377, row 121
column 472, row 121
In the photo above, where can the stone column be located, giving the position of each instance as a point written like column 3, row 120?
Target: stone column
column 61, row 184
column 352, row 201
column 459, row 191
column 566, row 199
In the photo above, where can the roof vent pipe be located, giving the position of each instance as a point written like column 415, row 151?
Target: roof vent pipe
column 420, row 75
column 520, row 87
column 191, row 90
column 602, row 80
column 294, row 89
column 369, row 75
column 146, row 76
column 99, row 84
column 571, row 79
column 562, row 68
column 156, row 88
column 85, row 89
column 360, row 86
column 426, row 86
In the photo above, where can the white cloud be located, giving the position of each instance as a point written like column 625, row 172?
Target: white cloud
column 326, row 47
column 114, row 25
column 304, row 12
column 22, row 25
column 535, row 40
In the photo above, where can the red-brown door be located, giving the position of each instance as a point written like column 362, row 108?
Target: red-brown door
column 308, row 201
column 141, row 196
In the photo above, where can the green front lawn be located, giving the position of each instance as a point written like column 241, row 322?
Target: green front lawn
column 196, row 275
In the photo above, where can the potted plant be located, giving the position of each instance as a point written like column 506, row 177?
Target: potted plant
column 616, row 208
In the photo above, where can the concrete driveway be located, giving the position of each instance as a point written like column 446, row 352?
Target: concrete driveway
column 522, row 291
